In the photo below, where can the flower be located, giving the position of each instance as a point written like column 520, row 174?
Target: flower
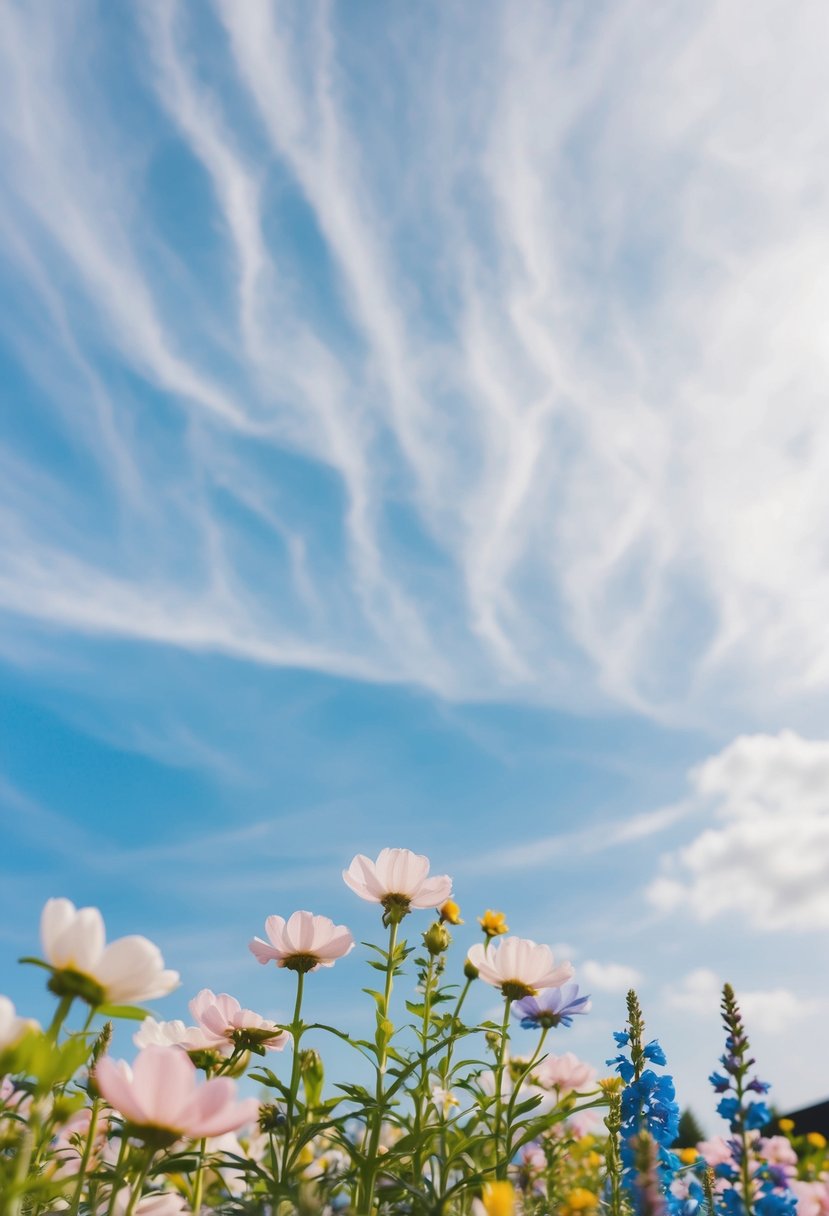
column 224, row 1019
column 128, row 970
column 786, row 1126
column 12, row 1027
column 494, row 924
column 554, row 1007
column 565, row 1073
column 157, row 1203
column 497, row 1199
column 450, row 913
column 175, row 1034
column 444, row 1100
column 302, row 943
column 813, row 1139
column 398, row 880
column 518, row 966
column 160, row 1094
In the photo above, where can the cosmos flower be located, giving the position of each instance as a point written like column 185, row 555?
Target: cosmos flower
column 223, row 1018
column 302, row 943
column 12, row 1027
column 518, row 966
column 399, row 880
column 565, row 1073
column 552, row 1007
column 175, row 1034
column 128, row 970
column 161, row 1094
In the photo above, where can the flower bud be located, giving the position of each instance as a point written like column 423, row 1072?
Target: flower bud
column 450, row 913
column 470, row 970
column 437, row 938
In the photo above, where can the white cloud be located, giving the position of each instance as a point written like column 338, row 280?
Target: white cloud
column 769, row 1010
column 564, row 381
column 608, row 977
column 766, row 859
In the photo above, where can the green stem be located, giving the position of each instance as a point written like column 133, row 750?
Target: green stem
column 116, row 1178
column 517, row 1086
column 64, row 1005
column 87, row 1153
column 382, row 1055
column 501, row 1171
column 421, row 1096
column 296, row 1036
column 138, row 1185
column 198, row 1181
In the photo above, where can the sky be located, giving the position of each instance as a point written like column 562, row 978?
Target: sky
column 413, row 432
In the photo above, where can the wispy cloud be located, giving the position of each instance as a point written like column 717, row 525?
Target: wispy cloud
column 428, row 389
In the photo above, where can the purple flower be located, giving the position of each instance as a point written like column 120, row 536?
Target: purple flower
column 551, row 1007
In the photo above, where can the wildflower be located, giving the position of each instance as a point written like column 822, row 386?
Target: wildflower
column 580, row 1200
column 688, row 1156
column 398, row 880
column 128, row 970
column 565, row 1073
column 437, row 939
column 786, row 1126
column 12, row 1027
column 450, row 913
column 160, row 1098
column 497, row 1199
column 223, row 1018
column 175, row 1034
column 494, row 924
column 518, row 966
column 814, row 1139
column 302, row 943
column 553, row 1007
column 443, row 1100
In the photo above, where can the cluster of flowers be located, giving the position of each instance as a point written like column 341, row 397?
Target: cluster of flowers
column 489, row 1134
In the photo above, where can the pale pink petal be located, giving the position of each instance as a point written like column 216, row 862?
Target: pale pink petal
column 362, row 880
column 263, row 952
column 164, row 1081
column 432, row 892
column 115, row 1081
column 337, row 946
column 203, row 999
column 81, row 943
column 57, row 916
column 132, row 969
column 275, row 929
column 300, row 928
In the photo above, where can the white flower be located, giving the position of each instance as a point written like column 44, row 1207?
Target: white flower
column 565, row 1073
column 444, row 1101
column 398, row 880
column 175, row 1034
column 12, row 1027
column 518, row 966
column 128, row 970
column 302, row 943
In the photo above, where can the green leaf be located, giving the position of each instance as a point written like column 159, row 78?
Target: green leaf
column 131, row 1013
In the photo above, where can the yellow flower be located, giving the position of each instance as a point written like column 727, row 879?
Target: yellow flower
column 580, row 1200
column 687, row 1155
column 611, row 1085
column 593, row 1160
column 493, row 923
column 786, row 1126
column 498, row 1199
column 815, row 1139
column 450, row 913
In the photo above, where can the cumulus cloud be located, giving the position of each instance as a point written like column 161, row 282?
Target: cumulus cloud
column 527, row 409
column 608, row 977
column 769, row 1010
column 766, row 856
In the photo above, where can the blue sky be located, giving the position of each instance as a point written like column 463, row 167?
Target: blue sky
column 413, row 431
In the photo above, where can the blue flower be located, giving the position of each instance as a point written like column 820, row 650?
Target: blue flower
column 729, row 1108
column 552, row 1007
column 621, row 1037
column 758, row 1087
column 776, row 1203
column 720, row 1083
column 623, row 1067
column 654, row 1053
column 756, row 1115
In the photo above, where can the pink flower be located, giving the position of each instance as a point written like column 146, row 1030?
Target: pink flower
column 223, row 1018
column 398, row 880
column 812, row 1197
column 565, row 1073
column 129, row 969
column 777, row 1150
column 715, row 1151
column 160, row 1093
column 302, row 943
column 518, row 966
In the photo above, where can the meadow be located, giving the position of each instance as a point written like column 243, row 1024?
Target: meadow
column 450, row 1121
